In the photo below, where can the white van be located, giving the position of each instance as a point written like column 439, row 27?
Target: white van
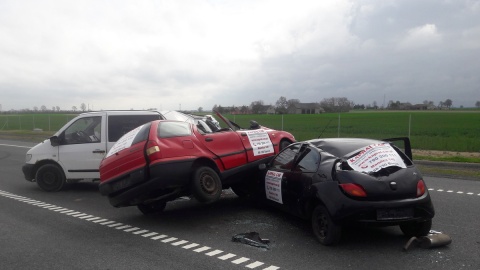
column 75, row 151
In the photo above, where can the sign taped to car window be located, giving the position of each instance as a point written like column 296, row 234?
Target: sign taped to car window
column 125, row 141
column 260, row 142
column 273, row 186
column 375, row 157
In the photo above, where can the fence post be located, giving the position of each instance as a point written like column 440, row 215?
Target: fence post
column 338, row 132
column 409, row 125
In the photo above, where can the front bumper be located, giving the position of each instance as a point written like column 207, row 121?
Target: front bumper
column 28, row 172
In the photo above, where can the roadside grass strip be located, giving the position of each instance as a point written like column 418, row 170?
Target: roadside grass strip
column 166, row 239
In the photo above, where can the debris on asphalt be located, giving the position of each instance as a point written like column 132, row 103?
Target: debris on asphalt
column 252, row 239
column 433, row 239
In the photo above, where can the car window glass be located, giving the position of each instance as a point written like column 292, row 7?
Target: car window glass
column 203, row 127
column 84, row 130
column 284, row 160
column 173, row 129
column 310, row 162
column 119, row 125
column 142, row 134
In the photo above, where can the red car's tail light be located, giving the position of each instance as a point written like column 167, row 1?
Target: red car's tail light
column 153, row 150
column 420, row 188
column 354, row 190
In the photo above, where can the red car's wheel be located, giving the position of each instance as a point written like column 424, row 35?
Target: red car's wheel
column 206, row 185
column 152, row 208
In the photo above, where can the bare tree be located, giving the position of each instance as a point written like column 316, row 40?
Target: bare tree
column 281, row 105
column 448, row 103
column 336, row 104
column 257, row 106
column 74, row 108
column 83, row 107
column 477, row 104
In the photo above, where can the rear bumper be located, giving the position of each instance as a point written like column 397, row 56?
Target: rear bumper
column 161, row 180
column 344, row 209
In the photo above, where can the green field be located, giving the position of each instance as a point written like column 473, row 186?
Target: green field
column 446, row 131
column 438, row 130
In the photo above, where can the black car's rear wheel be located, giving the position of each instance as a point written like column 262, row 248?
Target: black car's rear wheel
column 152, row 208
column 327, row 232
column 416, row 228
column 206, row 185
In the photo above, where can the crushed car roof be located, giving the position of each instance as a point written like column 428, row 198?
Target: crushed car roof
column 340, row 147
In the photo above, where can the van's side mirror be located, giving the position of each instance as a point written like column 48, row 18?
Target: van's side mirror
column 54, row 141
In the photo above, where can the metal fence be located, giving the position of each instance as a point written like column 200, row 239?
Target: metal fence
column 45, row 122
column 455, row 131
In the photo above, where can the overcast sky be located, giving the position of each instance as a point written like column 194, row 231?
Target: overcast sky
column 195, row 53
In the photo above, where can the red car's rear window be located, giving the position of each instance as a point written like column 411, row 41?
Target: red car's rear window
column 173, row 129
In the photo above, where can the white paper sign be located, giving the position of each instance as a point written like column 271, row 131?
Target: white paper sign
column 125, row 141
column 375, row 157
column 260, row 142
column 273, row 186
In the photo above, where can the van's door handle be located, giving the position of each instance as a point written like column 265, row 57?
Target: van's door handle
column 98, row 151
column 208, row 139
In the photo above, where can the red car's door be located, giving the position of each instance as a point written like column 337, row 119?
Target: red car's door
column 257, row 143
column 228, row 146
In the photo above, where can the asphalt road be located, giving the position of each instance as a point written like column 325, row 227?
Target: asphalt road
column 78, row 229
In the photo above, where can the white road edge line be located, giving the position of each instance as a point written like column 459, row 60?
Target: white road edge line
column 138, row 231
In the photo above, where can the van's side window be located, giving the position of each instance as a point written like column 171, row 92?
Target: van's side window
column 84, row 130
column 119, row 125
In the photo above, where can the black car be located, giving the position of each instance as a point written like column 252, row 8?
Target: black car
column 343, row 181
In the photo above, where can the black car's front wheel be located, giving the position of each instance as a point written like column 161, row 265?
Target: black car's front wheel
column 327, row 232
column 206, row 185
column 421, row 228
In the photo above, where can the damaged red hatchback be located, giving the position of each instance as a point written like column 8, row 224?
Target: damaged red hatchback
column 191, row 155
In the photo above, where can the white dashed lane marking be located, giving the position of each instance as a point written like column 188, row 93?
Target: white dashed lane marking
column 173, row 241
column 453, row 191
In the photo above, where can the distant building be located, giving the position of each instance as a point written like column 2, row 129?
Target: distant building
column 305, row 108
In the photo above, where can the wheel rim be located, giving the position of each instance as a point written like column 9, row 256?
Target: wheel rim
column 322, row 225
column 208, row 183
column 49, row 179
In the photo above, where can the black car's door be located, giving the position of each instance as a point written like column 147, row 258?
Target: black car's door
column 298, row 181
column 290, row 176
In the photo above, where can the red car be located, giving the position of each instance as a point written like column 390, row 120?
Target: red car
column 191, row 155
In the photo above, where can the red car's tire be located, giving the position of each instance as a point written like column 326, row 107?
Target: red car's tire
column 206, row 185
column 152, row 208
column 284, row 144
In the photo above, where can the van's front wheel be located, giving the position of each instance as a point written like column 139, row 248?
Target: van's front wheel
column 50, row 177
